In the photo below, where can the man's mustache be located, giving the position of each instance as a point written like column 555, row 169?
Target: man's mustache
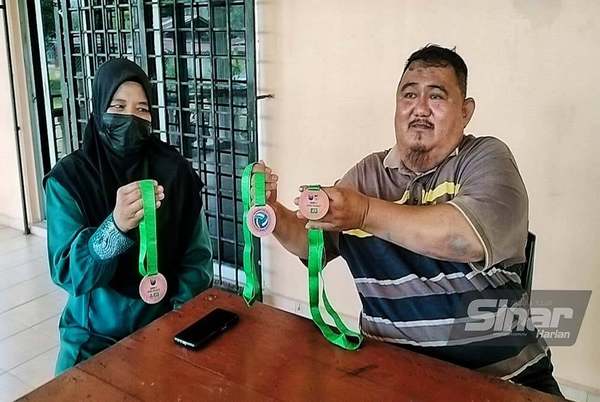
column 421, row 123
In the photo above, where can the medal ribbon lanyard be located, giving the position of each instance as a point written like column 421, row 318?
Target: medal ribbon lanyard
column 339, row 335
column 148, row 259
column 252, row 286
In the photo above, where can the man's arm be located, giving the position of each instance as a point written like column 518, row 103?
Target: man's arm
column 437, row 231
column 290, row 231
column 484, row 224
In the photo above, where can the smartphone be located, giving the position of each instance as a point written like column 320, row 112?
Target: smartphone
column 206, row 328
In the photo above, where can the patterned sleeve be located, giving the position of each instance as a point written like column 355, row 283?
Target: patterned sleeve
column 81, row 258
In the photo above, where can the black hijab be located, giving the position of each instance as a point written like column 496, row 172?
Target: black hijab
column 93, row 174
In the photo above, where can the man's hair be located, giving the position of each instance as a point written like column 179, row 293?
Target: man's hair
column 437, row 56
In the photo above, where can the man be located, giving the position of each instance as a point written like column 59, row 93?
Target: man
column 430, row 226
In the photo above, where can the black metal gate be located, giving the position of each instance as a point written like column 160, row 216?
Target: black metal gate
column 200, row 56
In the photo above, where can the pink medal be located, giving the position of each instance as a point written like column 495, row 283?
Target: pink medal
column 153, row 288
column 313, row 203
column 261, row 220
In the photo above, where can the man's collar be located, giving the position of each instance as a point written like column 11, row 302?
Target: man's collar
column 393, row 160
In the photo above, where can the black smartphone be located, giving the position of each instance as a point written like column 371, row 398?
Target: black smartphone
column 206, row 328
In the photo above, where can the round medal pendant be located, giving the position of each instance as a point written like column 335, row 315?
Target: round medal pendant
column 313, row 204
column 153, row 288
column 261, row 220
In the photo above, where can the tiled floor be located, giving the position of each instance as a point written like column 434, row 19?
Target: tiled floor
column 30, row 305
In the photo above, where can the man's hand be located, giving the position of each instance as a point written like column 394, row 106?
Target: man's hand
column 270, row 182
column 289, row 230
column 348, row 209
column 129, row 208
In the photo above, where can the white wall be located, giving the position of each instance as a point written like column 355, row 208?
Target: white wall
column 10, row 195
column 333, row 67
column 10, row 201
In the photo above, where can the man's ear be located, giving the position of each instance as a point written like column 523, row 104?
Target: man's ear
column 468, row 109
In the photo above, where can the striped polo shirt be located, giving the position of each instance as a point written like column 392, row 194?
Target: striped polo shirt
column 423, row 303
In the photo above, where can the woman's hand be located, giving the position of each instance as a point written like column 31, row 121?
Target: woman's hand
column 129, row 208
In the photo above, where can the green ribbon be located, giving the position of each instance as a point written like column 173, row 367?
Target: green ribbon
column 340, row 335
column 252, row 286
column 148, row 260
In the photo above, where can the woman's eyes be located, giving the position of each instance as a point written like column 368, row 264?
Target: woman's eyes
column 122, row 107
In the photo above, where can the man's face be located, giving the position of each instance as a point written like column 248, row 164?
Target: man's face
column 431, row 114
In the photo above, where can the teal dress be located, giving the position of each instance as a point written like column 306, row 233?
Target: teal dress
column 83, row 261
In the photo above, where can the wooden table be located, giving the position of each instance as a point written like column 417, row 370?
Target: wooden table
column 269, row 355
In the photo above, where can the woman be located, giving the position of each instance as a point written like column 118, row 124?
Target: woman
column 93, row 205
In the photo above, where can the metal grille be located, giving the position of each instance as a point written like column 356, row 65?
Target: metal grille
column 200, row 57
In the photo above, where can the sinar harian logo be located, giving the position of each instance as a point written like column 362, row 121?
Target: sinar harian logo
column 556, row 315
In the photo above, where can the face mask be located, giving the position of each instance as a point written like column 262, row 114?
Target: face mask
column 124, row 133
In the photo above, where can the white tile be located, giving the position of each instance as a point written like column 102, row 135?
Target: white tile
column 9, row 233
column 38, row 370
column 40, row 230
column 593, row 397
column 38, row 310
column 573, row 394
column 25, row 292
column 49, row 328
column 23, row 242
column 9, row 327
column 12, row 388
column 22, row 272
column 21, row 256
column 24, row 346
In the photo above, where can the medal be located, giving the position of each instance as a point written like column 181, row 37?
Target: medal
column 153, row 286
column 261, row 220
column 258, row 220
column 314, row 203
